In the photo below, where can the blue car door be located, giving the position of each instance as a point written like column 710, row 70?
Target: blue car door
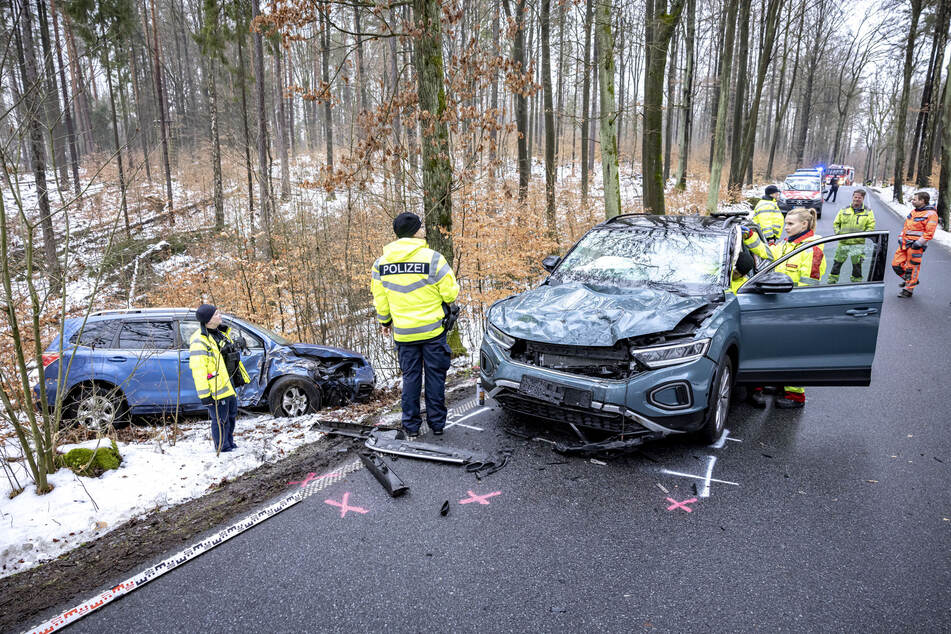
column 252, row 358
column 824, row 334
column 147, row 353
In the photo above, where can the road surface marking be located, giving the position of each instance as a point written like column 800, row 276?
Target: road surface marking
column 310, row 477
column 721, row 441
column 468, row 416
column 344, row 505
column 681, row 505
column 481, row 499
column 705, row 491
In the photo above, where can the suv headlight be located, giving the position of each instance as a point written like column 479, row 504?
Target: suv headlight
column 499, row 337
column 663, row 356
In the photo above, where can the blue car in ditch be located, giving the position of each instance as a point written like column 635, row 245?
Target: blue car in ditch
column 636, row 332
column 135, row 361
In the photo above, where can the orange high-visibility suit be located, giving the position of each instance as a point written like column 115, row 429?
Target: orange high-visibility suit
column 919, row 228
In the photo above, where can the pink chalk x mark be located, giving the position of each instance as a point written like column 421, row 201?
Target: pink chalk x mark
column 681, row 505
column 481, row 499
column 344, row 505
column 311, row 477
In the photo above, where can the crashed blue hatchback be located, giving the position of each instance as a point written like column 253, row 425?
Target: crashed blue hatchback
column 135, row 361
column 636, row 332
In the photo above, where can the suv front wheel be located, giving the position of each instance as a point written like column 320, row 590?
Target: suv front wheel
column 292, row 396
column 97, row 409
column 719, row 406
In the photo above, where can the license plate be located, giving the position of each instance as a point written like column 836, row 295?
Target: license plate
column 555, row 393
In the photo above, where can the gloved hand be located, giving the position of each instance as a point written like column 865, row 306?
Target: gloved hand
column 207, row 401
column 918, row 244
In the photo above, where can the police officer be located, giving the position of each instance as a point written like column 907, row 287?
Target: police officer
column 215, row 362
column 413, row 288
column 768, row 215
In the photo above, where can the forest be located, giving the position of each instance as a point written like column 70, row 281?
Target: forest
column 162, row 152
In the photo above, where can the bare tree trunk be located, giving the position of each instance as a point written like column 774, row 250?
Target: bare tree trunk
column 80, row 98
column 549, row 121
column 521, row 101
column 671, row 100
column 719, row 133
column 361, row 70
column 26, row 52
column 142, row 128
column 735, row 179
column 585, row 97
column 245, row 126
column 933, row 88
column 687, row 97
column 51, row 98
column 118, row 147
column 163, row 119
column 897, row 193
column 784, row 105
column 67, row 111
column 264, row 171
column 437, row 168
column 494, row 99
column 282, row 124
column 660, row 27
column 609, row 157
column 325, row 75
column 745, row 161
column 944, row 144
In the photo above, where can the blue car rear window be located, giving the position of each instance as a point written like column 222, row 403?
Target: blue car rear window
column 96, row 334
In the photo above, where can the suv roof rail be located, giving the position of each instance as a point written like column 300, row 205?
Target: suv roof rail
column 131, row 311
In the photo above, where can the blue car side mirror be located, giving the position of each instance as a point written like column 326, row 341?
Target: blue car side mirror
column 551, row 263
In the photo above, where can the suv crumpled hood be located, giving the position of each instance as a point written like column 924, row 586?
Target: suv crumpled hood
column 323, row 352
column 574, row 314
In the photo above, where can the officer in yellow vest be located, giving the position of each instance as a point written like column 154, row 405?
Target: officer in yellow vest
column 768, row 215
column 413, row 291
column 215, row 362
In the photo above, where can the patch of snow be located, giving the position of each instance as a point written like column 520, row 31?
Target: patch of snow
column 884, row 195
column 153, row 475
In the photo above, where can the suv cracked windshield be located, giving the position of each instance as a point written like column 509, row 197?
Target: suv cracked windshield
column 682, row 262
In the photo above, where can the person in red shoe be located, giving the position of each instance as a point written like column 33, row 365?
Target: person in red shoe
column 919, row 228
column 805, row 269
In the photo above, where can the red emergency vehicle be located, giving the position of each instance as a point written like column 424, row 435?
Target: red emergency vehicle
column 845, row 174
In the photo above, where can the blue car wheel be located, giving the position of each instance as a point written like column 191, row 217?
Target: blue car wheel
column 292, row 396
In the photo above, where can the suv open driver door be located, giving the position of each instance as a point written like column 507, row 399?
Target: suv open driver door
column 815, row 335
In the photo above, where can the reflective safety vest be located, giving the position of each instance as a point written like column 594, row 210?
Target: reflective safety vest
column 752, row 242
column 737, row 282
column 806, row 268
column 851, row 220
column 208, row 365
column 920, row 224
column 770, row 219
column 410, row 283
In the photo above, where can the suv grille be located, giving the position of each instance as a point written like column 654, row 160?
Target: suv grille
column 595, row 361
column 526, row 406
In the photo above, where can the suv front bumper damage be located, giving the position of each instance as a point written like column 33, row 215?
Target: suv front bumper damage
column 665, row 401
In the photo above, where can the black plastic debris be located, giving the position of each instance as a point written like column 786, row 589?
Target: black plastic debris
column 444, row 509
column 383, row 473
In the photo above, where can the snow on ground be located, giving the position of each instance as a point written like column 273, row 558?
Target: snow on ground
column 884, row 194
column 153, row 475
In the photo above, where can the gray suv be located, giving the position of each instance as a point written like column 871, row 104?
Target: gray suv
column 636, row 331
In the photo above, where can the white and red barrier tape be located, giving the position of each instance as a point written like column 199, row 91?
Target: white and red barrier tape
column 71, row 616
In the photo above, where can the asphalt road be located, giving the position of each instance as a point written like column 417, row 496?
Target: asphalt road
column 838, row 520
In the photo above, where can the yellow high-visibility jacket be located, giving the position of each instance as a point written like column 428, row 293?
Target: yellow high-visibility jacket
column 752, row 242
column 805, row 269
column 768, row 216
column 208, row 365
column 850, row 220
column 410, row 282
